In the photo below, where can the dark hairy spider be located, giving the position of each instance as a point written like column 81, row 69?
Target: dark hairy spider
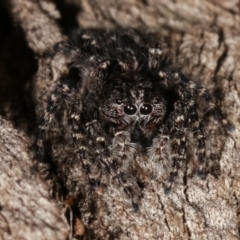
column 125, row 96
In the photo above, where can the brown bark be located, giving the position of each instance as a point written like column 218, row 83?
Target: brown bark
column 202, row 38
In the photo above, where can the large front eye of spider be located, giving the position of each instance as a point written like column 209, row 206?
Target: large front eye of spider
column 130, row 109
column 146, row 109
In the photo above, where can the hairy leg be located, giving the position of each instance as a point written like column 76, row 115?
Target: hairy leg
column 115, row 155
column 159, row 148
column 177, row 132
column 55, row 104
column 81, row 146
column 171, row 78
column 190, row 109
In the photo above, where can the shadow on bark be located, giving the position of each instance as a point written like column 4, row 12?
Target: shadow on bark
column 18, row 65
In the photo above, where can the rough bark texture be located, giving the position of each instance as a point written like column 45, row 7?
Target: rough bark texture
column 26, row 212
column 202, row 38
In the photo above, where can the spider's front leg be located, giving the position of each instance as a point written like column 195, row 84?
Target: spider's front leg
column 198, row 130
column 179, row 80
column 50, row 123
column 123, row 152
column 178, row 138
column 65, row 97
column 217, row 112
column 81, row 146
column 115, row 155
column 54, row 106
column 170, row 78
column 159, row 148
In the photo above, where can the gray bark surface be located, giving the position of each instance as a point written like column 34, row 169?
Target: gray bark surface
column 202, row 38
column 26, row 212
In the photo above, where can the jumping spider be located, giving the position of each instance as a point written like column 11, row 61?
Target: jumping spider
column 125, row 95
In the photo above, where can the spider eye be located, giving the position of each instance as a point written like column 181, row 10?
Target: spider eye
column 130, row 109
column 146, row 109
column 156, row 101
column 119, row 101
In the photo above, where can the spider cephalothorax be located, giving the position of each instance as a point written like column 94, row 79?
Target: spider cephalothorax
column 129, row 100
column 123, row 96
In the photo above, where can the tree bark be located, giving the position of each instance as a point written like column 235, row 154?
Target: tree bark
column 202, row 39
column 26, row 212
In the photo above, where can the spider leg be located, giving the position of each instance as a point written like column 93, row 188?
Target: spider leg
column 99, row 141
column 204, row 93
column 55, row 104
column 62, row 96
column 198, row 133
column 171, row 77
column 80, row 144
column 198, row 130
column 123, row 151
column 49, row 120
column 116, row 157
column 178, row 142
column 158, row 150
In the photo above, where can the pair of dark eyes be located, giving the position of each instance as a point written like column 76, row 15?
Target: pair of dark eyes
column 132, row 109
column 145, row 109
